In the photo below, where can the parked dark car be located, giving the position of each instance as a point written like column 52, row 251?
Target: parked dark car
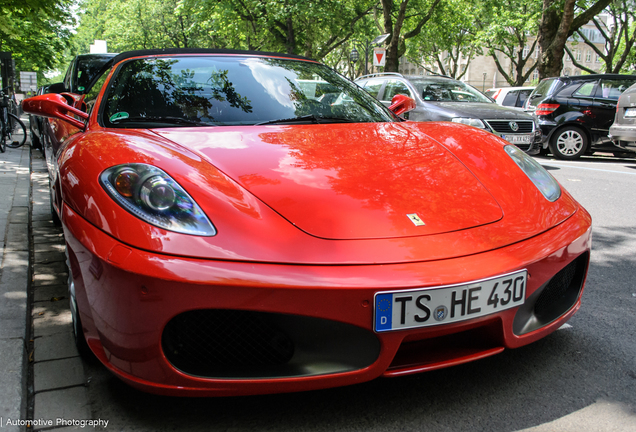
column 576, row 112
column 81, row 72
column 441, row 98
column 36, row 123
column 623, row 130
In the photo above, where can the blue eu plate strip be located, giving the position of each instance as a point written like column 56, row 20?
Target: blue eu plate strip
column 383, row 312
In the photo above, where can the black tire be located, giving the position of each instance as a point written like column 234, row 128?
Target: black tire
column 17, row 130
column 78, row 330
column 3, row 147
column 35, row 141
column 569, row 143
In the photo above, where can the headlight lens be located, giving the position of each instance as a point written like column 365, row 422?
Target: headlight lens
column 469, row 121
column 542, row 179
column 154, row 197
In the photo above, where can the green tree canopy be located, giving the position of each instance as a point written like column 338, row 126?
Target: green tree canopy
column 36, row 32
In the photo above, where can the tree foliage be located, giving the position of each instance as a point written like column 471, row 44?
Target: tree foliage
column 508, row 29
column 618, row 33
column 403, row 20
column 36, row 32
column 448, row 42
column 559, row 20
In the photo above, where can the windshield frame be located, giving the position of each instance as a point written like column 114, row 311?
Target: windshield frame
column 379, row 110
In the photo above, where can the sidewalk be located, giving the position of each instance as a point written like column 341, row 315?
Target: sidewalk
column 14, row 282
column 41, row 373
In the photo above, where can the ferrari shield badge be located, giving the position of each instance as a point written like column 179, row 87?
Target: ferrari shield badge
column 415, row 219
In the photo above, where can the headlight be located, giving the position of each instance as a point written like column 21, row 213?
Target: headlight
column 469, row 121
column 153, row 196
column 542, row 179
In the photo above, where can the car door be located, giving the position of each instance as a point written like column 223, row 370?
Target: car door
column 605, row 101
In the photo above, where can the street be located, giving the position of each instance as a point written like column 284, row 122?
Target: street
column 583, row 377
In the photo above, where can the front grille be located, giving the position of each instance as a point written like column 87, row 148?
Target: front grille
column 556, row 291
column 506, row 126
column 552, row 299
column 207, row 342
column 239, row 344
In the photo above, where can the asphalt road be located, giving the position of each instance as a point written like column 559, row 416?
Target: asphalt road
column 581, row 378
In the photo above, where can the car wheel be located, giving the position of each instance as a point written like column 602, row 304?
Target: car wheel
column 78, row 330
column 35, row 141
column 568, row 143
column 54, row 217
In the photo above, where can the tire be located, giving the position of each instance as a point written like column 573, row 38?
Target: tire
column 35, row 141
column 54, row 217
column 18, row 133
column 78, row 331
column 3, row 147
column 569, row 143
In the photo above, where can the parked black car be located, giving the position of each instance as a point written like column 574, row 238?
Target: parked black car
column 576, row 112
column 623, row 130
column 36, row 123
column 441, row 98
column 81, row 72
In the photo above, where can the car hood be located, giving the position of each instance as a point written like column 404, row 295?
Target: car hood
column 375, row 180
column 481, row 110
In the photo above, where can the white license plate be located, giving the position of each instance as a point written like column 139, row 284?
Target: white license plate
column 399, row 310
column 518, row 139
column 630, row 112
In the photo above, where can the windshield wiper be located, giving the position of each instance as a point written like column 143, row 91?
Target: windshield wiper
column 162, row 119
column 300, row 119
column 311, row 118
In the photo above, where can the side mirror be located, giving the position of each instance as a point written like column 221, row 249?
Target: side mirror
column 57, row 88
column 401, row 104
column 55, row 106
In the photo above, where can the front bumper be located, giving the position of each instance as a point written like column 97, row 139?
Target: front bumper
column 142, row 311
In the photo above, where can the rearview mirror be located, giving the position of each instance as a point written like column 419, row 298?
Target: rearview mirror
column 54, row 105
column 401, row 104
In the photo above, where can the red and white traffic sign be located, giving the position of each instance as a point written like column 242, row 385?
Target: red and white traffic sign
column 379, row 56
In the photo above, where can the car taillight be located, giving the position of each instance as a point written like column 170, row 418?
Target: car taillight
column 546, row 109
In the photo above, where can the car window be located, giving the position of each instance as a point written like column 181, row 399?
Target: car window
column 490, row 93
column 586, row 89
column 511, row 98
column 546, row 88
column 87, row 68
column 68, row 75
column 216, row 90
column 394, row 87
column 91, row 96
column 373, row 87
column 447, row 90
column 523, row 96
column 613, row 88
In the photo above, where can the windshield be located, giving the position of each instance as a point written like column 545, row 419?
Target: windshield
column 223, row 90
column 447, row 91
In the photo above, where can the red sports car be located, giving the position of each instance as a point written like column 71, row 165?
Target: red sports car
column 242, row 222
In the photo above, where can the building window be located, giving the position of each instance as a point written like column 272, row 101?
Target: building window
column 598, row 58
column 535, row 75
column 526, row 51
column 588, row 56
column 578, row 55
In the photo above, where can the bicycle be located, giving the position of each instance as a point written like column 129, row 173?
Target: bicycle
column 12, row 130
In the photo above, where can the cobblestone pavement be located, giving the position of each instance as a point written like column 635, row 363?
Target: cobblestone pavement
column 58, row 392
